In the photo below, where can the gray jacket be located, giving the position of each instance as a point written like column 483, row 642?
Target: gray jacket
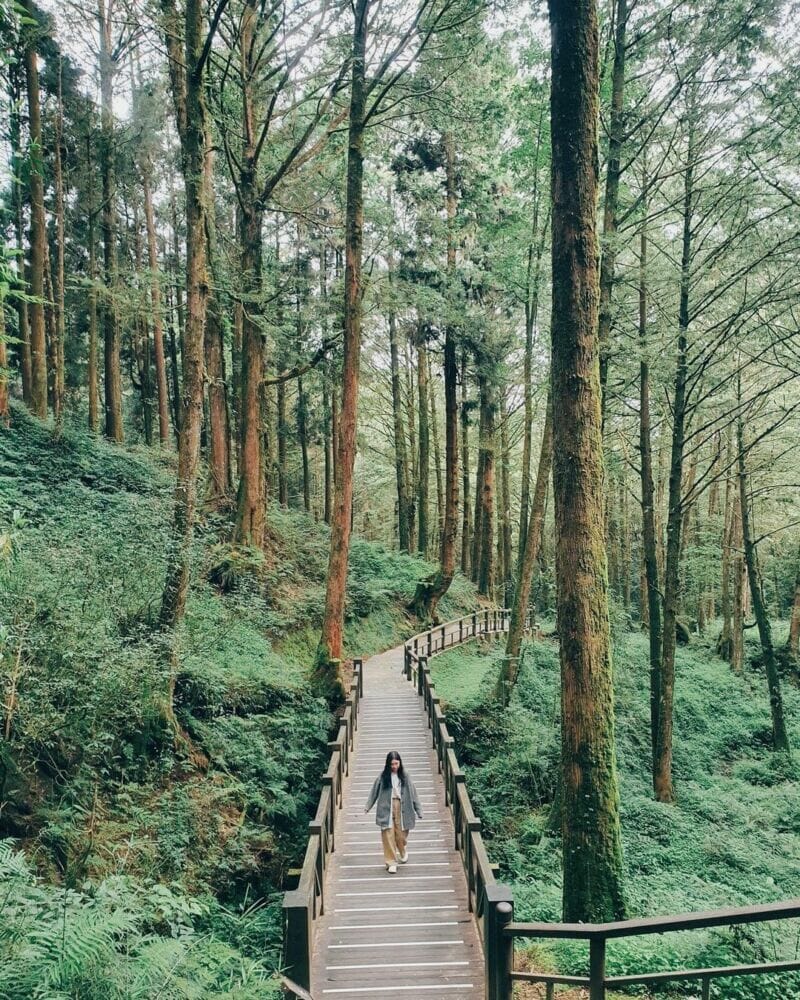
column 409, row 804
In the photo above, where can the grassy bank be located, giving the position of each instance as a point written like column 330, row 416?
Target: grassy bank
column 732, row 838
column 134, row 863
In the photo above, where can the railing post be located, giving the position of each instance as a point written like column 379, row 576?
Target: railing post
column 706, row 987
column 597, row 969
column 359, row 665
column 422, row 663
column 406, row 663
column 486, row 622
column 498, row 947
column 430, row 641
column 460, row 630
column 297, row 938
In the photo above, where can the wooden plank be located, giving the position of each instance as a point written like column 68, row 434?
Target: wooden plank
column 409, row 934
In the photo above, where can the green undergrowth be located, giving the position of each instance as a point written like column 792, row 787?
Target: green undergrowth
column 136, row 864
column 732, row 838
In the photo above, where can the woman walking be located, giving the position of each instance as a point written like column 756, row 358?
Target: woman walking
column 397, row 803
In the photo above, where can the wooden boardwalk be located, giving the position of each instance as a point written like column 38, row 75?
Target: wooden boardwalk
column 409, row 934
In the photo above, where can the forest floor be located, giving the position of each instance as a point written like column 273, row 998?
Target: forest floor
column 137, row 860
column 731, row 839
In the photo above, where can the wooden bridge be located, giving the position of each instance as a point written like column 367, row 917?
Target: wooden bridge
column 442, row 927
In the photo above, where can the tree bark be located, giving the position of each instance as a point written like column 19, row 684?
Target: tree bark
column 423, row 431
column 5, row 417
column 533, row 539
column 59, row 386
column 591, row 844
column 188, row 87
column 739, row 584
column 724, row 643
column 38, row 338
column 780, row 738
column 400, row 454
column 616, row 127
column 793, row 642
column 437, row 455
column 111, row 331
column 15, row 72
column 504, row 524
column 162, row 395
column 486, row 484
column 652, row 598
column 466, row 519
column 662, row 769
column 332, row 638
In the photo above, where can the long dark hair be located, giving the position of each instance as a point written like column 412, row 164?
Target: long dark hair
column 386, row 774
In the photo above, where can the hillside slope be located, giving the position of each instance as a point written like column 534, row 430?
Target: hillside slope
column 159, row 844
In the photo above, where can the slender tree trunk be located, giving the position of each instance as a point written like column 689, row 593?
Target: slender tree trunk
column 141, row 339
column 59, row 386
column 424, row 444
column 332, row 638
column 283, row 435
column 724, row 643
column 429, row 593
column 739, row 586
column 486, row 485
column 155, row 299
column 527, row 566
column 38, row 241
column 400, row 454
column 466, row 519
column 652, row 596
column 111, row 331
column 793, row 642
column 780, row 739
column 5, row 417
column 437, row 455
column 662, row 770
column 188, row 87
column 616, row 129
column 15, row 72
column 412, row 447
column 328, row 442
column 507, row 584
column 592, row 850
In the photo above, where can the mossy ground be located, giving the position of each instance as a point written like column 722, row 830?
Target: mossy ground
column 732, row 838
column 184, row 842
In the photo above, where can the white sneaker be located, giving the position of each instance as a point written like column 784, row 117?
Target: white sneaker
column 404, row 857
column 391, row 869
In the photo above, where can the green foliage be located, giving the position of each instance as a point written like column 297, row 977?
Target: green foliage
column 733, row 838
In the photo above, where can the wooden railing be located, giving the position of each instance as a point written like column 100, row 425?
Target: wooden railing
column 597, row 982
column 302, row 906
column 493, row 904
column 486, row 896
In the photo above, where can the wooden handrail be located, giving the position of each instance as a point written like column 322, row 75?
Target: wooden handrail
column 303, row 905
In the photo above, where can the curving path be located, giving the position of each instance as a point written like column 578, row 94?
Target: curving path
column 409, row 934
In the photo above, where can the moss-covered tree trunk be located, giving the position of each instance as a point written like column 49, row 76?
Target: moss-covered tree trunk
column 592, row 850
column 780, row 739
column 332, row 639
column 793, row 642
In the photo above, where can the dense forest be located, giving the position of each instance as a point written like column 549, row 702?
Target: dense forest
column 322, row 322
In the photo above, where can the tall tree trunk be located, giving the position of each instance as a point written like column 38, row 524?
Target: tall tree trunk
column 327, row 409
column 652, row 598
column 437, row 455
column 780, row 739
column 15, row 72
column 331, row 640
column 793, row 642
column 507, row 584
column 486, row 487
column 111, row 331
column 527, row 565
column 141, row 338
column 59, row 387
column 429, row 593
column 38, row 338
column 466, row 519
column 662, row 769
column 616, row 129
column 188, row 88
column 400, row 454
column 423, row 429
column 739, row 585
column 724, row 643
column 592, row 850
column 412, row 447
column 283, row 435
column 251, row 504
column 5, row 418
column 155, row 299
